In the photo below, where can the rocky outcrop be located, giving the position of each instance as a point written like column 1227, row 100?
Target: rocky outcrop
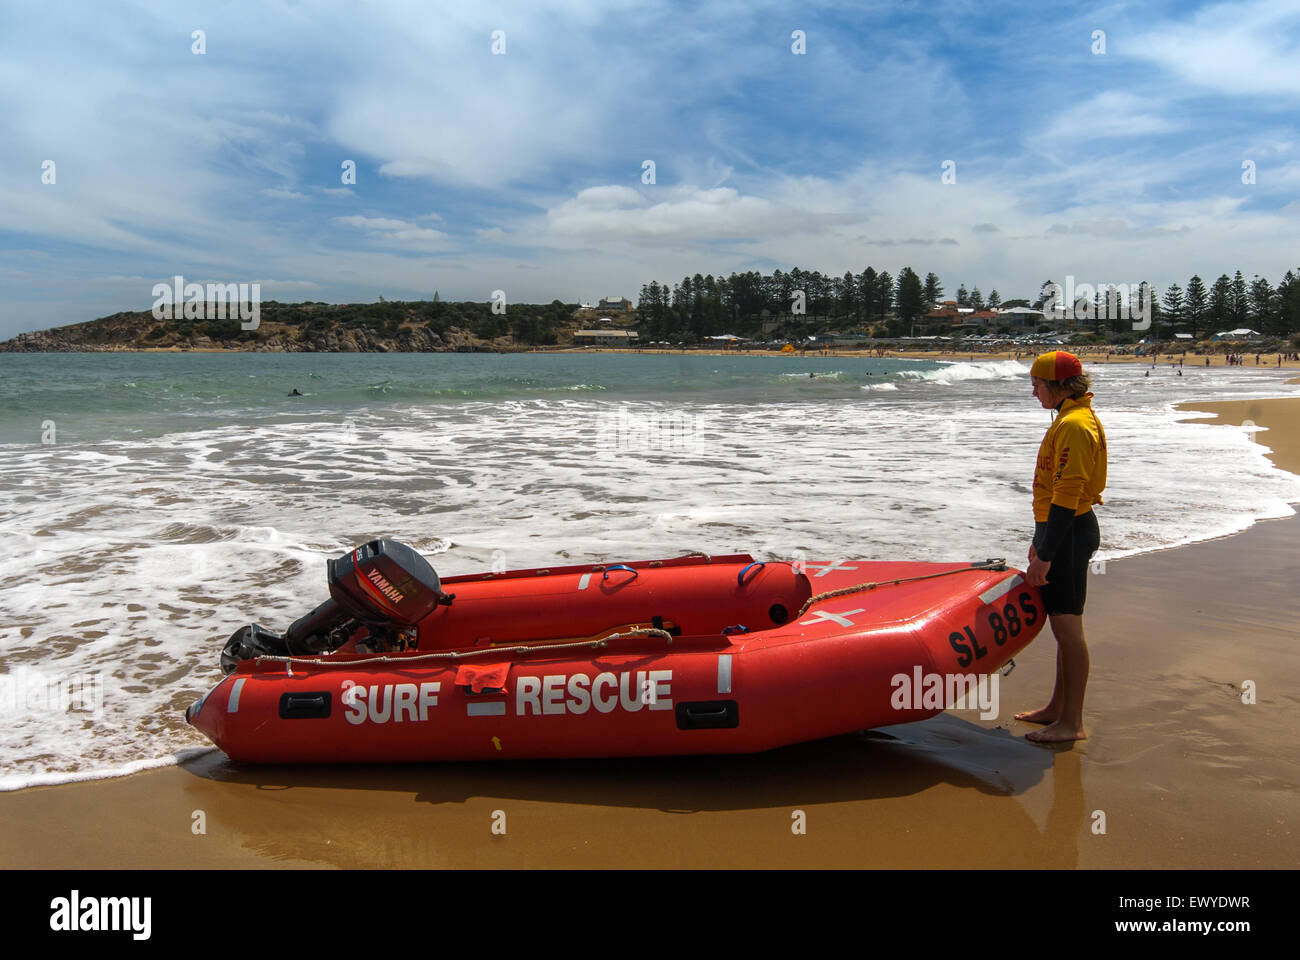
column 140, row 331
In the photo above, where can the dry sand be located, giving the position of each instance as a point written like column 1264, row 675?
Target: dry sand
column 1183, row 772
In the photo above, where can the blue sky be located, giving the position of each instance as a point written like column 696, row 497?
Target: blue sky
column 522, row 171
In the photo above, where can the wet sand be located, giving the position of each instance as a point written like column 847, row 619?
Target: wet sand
column 1183, row 772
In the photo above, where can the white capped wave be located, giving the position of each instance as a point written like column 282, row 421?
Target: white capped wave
column 956, row 372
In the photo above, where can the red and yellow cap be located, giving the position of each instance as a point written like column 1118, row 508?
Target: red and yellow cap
column 1056, row 365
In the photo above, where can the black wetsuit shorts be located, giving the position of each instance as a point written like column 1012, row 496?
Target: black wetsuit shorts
column 1067, row 578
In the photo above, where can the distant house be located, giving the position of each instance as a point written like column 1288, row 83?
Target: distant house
column 950, row 311
column 616, row 305
column 1241, row 333
column 1020, row 317
column 604, row 338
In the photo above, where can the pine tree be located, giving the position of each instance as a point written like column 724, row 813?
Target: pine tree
column 1194, row 307
column 963, row 296
column 1238, row 301
column 1047, row 294
column 995, row 299
column 1174, row 306
column 911, row 296
column 1288, row 303
column 1147, row 294
column 1262, row 305
column 1220, row 302
column 884, row 294
column 933, row 290
column 849, row 295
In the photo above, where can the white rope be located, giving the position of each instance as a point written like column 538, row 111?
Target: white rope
column 461, row 654
column 996, row 564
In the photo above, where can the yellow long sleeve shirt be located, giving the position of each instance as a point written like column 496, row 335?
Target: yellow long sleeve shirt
column 1071, row 468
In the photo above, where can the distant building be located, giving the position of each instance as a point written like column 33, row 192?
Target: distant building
column 950, row 311
column 1241, row 333
column 616, row 305
column 1020, row 317
column 604, row 338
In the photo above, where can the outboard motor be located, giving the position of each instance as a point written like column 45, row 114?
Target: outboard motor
column 383, row 586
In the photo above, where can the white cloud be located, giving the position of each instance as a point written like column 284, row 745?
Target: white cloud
column 391, row 231
column 1244, row 49
column 1113, row 113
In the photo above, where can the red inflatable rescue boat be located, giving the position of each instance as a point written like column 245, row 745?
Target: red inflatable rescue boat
column 696, row 654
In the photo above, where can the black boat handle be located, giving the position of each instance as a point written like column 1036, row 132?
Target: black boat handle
column 696, row 713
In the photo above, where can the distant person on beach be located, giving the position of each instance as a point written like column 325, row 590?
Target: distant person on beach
column 1069, row 477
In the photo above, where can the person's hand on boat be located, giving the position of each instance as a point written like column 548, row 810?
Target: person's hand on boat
column 1036, row 574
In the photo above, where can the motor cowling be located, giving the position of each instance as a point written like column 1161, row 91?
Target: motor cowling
column 382, row 585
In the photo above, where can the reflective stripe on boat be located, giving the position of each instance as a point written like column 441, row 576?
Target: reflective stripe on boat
column 1000, row 589
column 495, row 708
column 232, row 705
column 724, row 673
column 583, row 581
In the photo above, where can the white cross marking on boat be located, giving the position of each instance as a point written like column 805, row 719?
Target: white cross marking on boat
column 825, row 568
column 583, row 581
column 841, row 618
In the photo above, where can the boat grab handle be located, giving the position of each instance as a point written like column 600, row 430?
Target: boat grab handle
column 740, row 577
column 619, row 566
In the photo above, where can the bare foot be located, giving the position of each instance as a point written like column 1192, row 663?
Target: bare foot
column 1058, row 732
column 1045, row 715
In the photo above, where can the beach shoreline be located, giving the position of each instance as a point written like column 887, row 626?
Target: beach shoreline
column 1185, row 773
column 1101, row 355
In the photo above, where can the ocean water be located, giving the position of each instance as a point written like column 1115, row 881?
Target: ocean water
column 153, row 503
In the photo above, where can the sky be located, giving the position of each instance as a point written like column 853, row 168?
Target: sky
column 502, row 146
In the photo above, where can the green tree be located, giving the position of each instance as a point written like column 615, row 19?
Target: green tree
column 1288, row 303
column 933, row 290
column 1239, row 301
column 1194, row 307
column 1262, row 305
column 867, row 293
column 884, row 295
column 910, row 297
column 1174, row 306
column 1221, row 302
